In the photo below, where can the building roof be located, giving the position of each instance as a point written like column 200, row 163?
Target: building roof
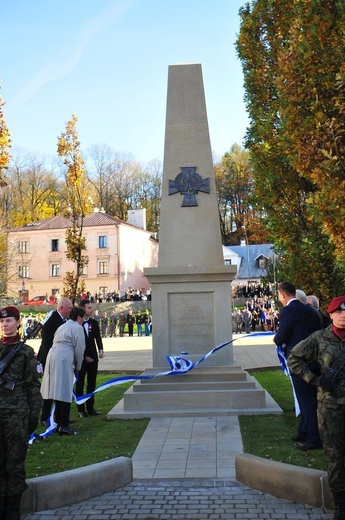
column 60, row 222
column 249, row 267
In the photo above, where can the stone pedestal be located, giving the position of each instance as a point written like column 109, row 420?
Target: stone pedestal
column 191, row 311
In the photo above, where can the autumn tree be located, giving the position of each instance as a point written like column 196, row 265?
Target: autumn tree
column 150, row 193
column 78, row 207
column 284, row 81
column 234, row 181
column 120, row 184
column 33, row 191
column 312, row 92
column 5, row 143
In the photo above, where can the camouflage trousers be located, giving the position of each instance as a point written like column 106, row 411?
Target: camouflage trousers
column 331, row 421
column 13, row 447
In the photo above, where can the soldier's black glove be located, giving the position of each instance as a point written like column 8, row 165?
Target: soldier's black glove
column 33, row 423
column 322, row 381
column 326, row 384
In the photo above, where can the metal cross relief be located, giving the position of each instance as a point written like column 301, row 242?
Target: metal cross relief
column 189, row 183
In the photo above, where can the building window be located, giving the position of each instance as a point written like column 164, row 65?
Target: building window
column 103, row 267
column 23, row 246
column 227, row 261
column 262, row 263
column 54, row 245
column 23, row 271
column 102, row 242
column 82, row 270
column 55, row 269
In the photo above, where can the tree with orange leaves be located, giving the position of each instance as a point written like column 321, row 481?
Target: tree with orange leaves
column 78, row 207
column 292, row 55
column 5, row 143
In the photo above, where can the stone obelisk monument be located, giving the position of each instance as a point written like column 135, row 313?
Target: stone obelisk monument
column 191, row 294
column 191, row 303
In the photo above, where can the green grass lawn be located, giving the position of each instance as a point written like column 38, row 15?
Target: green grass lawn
column 98, row 439
column 269, row 436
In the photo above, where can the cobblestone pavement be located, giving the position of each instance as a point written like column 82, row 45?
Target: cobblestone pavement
column 184, row 500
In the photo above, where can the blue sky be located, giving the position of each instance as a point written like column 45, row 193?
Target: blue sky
column 106, row 61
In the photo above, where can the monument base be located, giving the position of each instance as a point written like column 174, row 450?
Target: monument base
column 191, row 310
column 200, row 392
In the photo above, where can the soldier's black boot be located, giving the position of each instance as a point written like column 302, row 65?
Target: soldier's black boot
column 13, row 507
column 2, row 508
column 339, row 498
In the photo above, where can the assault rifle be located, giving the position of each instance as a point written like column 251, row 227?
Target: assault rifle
column 334, row 380
column 5, row 363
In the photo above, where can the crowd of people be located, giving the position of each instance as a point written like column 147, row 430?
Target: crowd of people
column 257, row 314
column 115, row 324
column 253, row 290
column 115, row 296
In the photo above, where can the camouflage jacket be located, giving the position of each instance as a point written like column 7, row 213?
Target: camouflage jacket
column 25, row 372
column 321, row 346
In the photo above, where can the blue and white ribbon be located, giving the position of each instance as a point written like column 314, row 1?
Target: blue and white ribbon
column 179, row 365
column 285, row 369
column 51, row 428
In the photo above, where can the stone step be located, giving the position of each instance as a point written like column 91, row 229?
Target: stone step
column 178, row 385
column 198, row 398
column 204, row 390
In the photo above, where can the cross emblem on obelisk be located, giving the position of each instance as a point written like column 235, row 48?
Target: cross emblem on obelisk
column 188, row 183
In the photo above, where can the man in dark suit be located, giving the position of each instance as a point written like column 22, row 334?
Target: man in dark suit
column 296, row 322
column 90, row 364
column 57, row 318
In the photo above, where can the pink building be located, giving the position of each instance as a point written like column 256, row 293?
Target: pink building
column 117, row 252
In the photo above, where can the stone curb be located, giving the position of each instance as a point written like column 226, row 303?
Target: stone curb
column 295, row 483
column 76, row 485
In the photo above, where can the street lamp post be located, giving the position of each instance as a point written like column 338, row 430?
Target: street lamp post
column 248, row 256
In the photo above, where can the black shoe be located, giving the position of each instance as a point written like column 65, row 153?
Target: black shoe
column 94, row 412
column 67, row 431
column 83, row 414
column 309, row 446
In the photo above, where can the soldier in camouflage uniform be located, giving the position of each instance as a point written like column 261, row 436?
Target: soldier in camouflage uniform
column 323, row 346
column 19, row 411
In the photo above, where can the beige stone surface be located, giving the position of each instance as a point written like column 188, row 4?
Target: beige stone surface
column 191, row 285
column 301, row 485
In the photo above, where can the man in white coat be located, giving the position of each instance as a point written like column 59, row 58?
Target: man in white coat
column 64, row 360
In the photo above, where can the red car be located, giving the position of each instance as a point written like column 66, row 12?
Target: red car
column 37, row 300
